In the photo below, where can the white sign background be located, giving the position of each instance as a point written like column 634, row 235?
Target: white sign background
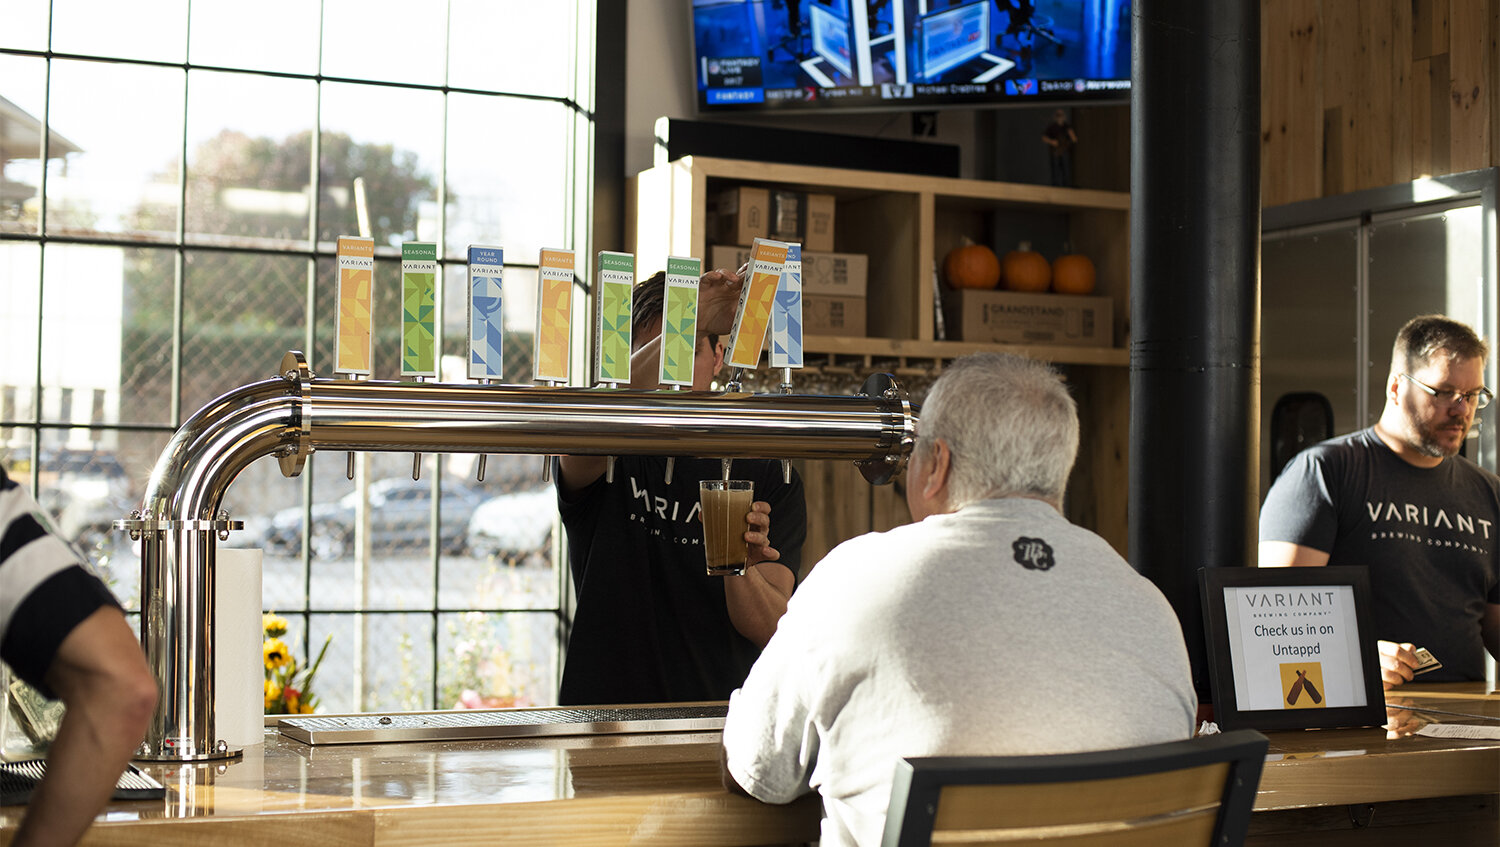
column 1271, row 625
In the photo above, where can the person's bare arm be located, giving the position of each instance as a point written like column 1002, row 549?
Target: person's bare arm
column 1397, row 661
column 757, row 600
column 718, row 299
column 579, row 472
column 1283, row 554
column 101, row 674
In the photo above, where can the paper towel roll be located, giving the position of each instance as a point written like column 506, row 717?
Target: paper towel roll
column 239, row 677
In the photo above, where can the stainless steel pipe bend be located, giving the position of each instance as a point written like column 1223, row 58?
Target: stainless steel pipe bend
column 295, row 414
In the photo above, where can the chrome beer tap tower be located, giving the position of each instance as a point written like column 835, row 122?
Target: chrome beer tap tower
column 294, row 414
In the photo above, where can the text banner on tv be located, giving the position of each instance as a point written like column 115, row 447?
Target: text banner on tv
column 736, row 95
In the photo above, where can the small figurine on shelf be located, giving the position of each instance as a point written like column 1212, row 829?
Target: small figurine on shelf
column 1060, row 140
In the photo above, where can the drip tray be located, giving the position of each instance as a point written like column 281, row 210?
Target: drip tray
column 502, row 723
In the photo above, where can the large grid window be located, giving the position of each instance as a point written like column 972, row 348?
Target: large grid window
column 173, row 177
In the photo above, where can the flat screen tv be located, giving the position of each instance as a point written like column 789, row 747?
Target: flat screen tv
column 791, row 55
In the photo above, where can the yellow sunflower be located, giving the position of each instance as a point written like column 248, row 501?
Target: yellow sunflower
column 276, row 653
column 274, row 624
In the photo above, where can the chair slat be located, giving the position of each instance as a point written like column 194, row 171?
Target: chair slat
column 1195, row 829
column 1120, row 798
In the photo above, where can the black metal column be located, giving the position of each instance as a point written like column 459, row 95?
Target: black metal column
column 1194, row 304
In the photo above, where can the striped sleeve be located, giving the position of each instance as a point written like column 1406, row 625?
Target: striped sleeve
column 44, row 590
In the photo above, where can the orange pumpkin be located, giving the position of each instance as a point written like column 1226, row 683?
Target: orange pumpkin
column 1026, row 270
column 1073, row 274
column 972, row 266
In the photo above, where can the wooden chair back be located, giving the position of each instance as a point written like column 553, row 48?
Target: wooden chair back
column 1196, row 792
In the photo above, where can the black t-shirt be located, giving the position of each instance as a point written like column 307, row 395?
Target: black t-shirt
column 1427, row 536
column 650, row 625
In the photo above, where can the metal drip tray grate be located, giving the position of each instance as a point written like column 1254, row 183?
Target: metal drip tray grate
column 19, row 779
column 503, row 723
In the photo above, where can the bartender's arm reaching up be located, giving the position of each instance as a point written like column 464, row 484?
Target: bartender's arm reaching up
column 718, row 299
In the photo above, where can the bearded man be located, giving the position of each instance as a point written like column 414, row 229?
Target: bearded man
column 1398, row 499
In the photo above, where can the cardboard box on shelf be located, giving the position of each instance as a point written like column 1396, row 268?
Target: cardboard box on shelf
column 1008, row 317
column 739, row 215
column 831, row 274
column 804, row 218
column 822, row 315
column 818, row 235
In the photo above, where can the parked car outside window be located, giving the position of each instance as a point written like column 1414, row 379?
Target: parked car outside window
column 400, row 520
column 515, row 527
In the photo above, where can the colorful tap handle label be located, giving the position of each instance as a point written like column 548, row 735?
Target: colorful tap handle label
column 419, row 267
column 554, row 315
column 355, row 352
column 613, row 285
column 679, row 321
column 786, row 314
column 753, row 319
column 486, row 327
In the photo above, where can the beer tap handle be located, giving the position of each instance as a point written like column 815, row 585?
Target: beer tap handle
column 416, row 458
column 349, row 466
column 483, row 457
column 547, row 460
column 786, row 388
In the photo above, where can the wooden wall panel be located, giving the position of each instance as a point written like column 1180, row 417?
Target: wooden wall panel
column 1372, row 98
column 1291, row 117
column 1421, row 114
column 1472, row 85
column 838, row 507
column 1339, row 43
column 1399, row 58
column 1380, row 92
column 1440, row 116
column 1494, row 29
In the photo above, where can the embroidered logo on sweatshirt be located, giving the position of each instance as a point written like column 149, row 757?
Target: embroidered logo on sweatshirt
column 1033, row 554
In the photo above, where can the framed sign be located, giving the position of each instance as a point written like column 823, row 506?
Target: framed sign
column 1291, row 648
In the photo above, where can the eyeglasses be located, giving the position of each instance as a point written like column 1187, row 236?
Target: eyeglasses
column 1479, row 397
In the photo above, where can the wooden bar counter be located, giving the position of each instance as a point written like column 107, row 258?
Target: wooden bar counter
column 663, row 789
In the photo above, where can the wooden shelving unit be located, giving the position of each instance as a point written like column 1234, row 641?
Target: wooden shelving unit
column 906, row 225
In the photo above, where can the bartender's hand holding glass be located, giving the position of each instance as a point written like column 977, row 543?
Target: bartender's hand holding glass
column 734, row 539
column 759, row 535
column 1397, row 662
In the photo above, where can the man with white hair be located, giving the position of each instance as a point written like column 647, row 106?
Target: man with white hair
column 989, row 626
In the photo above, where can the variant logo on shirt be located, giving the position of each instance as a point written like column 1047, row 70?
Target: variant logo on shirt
column 1033, row 554
column 1431, row 527
column 672, row 519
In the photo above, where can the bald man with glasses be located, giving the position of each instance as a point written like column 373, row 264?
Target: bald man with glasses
column 1398, row 499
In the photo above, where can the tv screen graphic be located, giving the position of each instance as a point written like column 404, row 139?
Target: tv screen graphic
column 789, row 55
